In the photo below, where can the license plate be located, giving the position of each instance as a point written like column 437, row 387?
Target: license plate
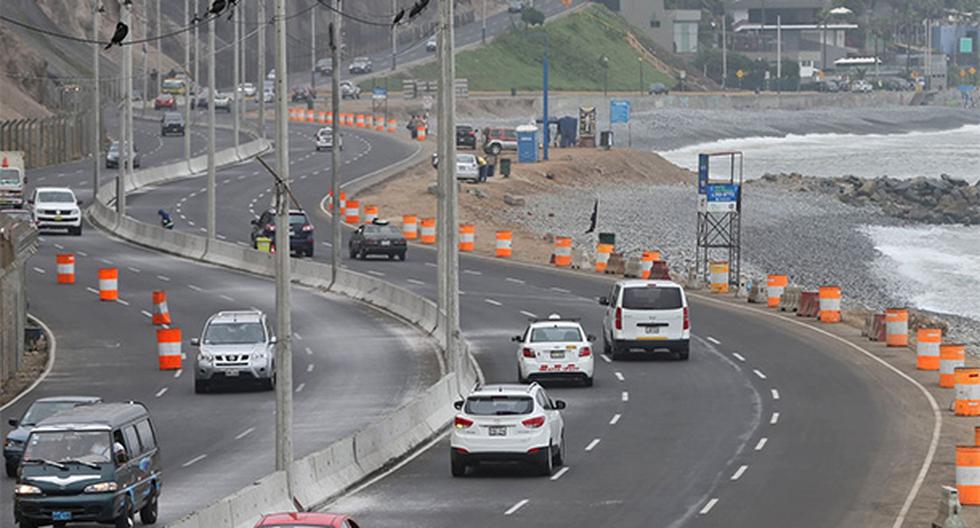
column 653, row 329
column 557, row 354
column 498, row 431
column 386, row 242
column 231, row 373
column 61, row 516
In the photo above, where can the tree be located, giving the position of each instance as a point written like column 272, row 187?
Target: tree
column 532, row 17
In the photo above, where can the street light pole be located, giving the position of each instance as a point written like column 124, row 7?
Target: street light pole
column 336, row 236
column 237, row 94
column 394, row 38
column 125, row 151
column 260, row 75
column 313, row 52
column 197, row 51
column 483, row 27
column 187, row 85
column 724, row 50
column 97, row 103
column 156, row 89
column 212, row 224
column 448, row 262
column 544, row 106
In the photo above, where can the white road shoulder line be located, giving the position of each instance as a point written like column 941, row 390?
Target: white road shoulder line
column 513, row 509
column 707, row 507
column 738, row 472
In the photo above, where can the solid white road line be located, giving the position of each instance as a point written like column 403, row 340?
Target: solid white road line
column 528, row 314
column 300, row 387
column 193, row 461
column 561, row 472
column 513, row 509
column 592, row 444
column 414, row 281
column 160, row 392
column 774, row 419
column 244, row 433
column 195, row 287
column 164, row 278
column 626, row 396
column 759, row 373
column 761, row 444
column 619, row 376
column 615, row 419
column 493, row 302
column 707, row 507
column 775, row 394
column 515, row 281
column 738, row 356
column 738, row 472
column 713, row 340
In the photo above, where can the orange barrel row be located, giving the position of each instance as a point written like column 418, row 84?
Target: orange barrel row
column 310, row 116
column 562, row 253
column 161, row 312
column 775, row 286
column 505, row 240
column 108, row 284
column 830, row 304
column 370, row 213
column 352, row 213
column 967, row 388
column 646, row 263
column 951, row 357
column 718, row 273
column 410, row 227
column 602, row 254
column 927, row 345
column 897, row 327
column 428, row 231
column 467, row 237
column 66, row 268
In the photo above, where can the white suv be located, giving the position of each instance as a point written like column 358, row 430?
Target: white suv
column 236, row 346
column 508, row 423
column 646, row 316
column 324, row 139
column 56, row 208
column 555, row 348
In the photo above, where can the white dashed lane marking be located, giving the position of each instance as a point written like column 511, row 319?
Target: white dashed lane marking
column 160, row 392
column 615, row 419
column 513, row 509
column 39, row 270
column 761, row 444
column 493, row 302
column 774, row 419
column 739, row 472
column 244, row 433
column 759, row 373
column 516, row 281
column 193, row 461
column 619, row 376
column 413, row 281
column 300, row 387
column 707, row 507
column 713, row 340
column 775, row 394
column 559, row 474
column 626, row 396
column 738, row 356
column 592, row 444
column 164, row 278
column 195, row 287
column 528, row 314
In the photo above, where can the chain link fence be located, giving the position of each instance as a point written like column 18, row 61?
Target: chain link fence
column 50, row 140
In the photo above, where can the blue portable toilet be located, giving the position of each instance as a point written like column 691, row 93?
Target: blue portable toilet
column 527, row 144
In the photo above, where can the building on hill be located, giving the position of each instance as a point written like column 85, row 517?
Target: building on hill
column 672, row 24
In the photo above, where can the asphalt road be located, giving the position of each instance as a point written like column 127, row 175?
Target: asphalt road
column 760, row 410
column 352, row 364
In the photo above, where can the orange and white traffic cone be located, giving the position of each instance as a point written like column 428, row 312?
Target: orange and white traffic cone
column 161, row 312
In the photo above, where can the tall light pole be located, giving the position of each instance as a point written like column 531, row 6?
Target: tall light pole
column 779, row 54
column 724, row 50
column 260, row 75
column 335, row 227
column 313, row 52
column 156, row 89
column 96, row 101
column 544, row 83
column 197, row 50
column 187, row 84
column 483, row 24
column 212, row 223
column 284, row 358
column 145, row 68
column 394, row 38
column 125, row 148
column 237, row 95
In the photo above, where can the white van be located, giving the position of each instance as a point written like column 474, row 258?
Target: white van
column 646, row 316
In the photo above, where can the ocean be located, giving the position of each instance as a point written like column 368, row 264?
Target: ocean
column 936, row 268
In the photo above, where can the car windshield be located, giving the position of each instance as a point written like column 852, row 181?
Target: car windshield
column 467, row 159
column 382, row 231
column 173, row 118
column 9, row 177
column 172, row 83
column 564, row 334
column 325, row 132
column 498, row 405
column 41, row 410
column 56, row 197
column 86, row 446
column 234, row 334
column 297, row 219
column 652, row 298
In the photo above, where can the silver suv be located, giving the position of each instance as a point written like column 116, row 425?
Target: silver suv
column 236, row 346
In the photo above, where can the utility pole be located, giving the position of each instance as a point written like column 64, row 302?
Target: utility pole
column 779, row 54
column 212, row 224
column 145, row 68
column 238, row 96
column 336, row 236
column 544, row 90
column 125, row 148
column 483, row 28
column 394, row 38
column 260, row 75
column 187, row 83
column 156, row 89
column 313, row 52
column 284, row 358
column 724, row 50
column 197, row 51
column 97, row 102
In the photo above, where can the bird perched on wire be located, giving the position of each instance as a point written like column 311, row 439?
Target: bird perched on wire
column 418, row 8
column 121, row 31
column 217, row 7
column 398, row 18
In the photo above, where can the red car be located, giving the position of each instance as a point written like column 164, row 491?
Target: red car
column 318, row 520
column 164, row 101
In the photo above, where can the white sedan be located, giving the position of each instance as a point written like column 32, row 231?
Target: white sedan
column 555, row 348
column 324, row 139
column 467, row 168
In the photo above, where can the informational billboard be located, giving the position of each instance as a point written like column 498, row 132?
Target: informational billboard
column 619, row 111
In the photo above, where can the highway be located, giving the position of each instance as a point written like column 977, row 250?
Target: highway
column 353, row 364
column 762, row 408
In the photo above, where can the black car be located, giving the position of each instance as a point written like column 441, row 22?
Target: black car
column 112, row 156
column 300, row 231
column 42, row 408
column 172, row 123
column 378, row 238
column 466, row 136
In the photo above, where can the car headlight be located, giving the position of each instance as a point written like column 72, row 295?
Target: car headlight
column 205, row 357
column 14, row 443
column 101, row 487
column 26, row 489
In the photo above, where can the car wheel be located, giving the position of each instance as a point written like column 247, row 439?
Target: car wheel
column 362, row 255
column 11, row 469
column 200, row 386
column 457, row 465
column 521, row 378
column 126, row 519
column 615, row 354
column 546, row 466
column 559, row 458
column 27, row 523
column 684, row 354
column 606, row 348
column 270, row 384
column 353, row 254
column 309, row 252
column 391, row 256
column 495, row 149
column 75, row 231
column 589, row 381
column 150, row 512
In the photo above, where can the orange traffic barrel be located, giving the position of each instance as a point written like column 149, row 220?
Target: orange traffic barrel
column 168, row 348
column 505, row 241
column 976, row 435
column 562, row 253
column 108, row 284
column 343, row 201
column 350, row 119
column 897, row 327
column 321, row 118
column 329, row 118
column 927, row 345
column 830, row 304
column 370, row 213
column 646, row 263
column 602, row 254
column 467, row 237
column 352, row 214
column 775, row 286
column 951, row 357
column 410, row 227
column 420, row 133
column 967, row 381
column 66, row 268
column 310, row 116
column 379, row 123
column 161, row 312
column 718, row 273
column 428, row 231
column 360, row 120
column 968, row 474
column 392, row 126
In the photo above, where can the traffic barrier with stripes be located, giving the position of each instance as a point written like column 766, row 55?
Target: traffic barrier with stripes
column 392, row 126
column 718, row 271
column 350, row 120
column 809, row 304
column 310, row 116
column 108, row 284
column 65, row 263
column 775, row 285
column 790, row 300
column 293, row 114
column 897, row 327
column 410, row 227
column 968, row 474
column 467, row 237
column 168, row 348
column 830, row 303
column 562, row 253
column 646, row 263
column 976, row 435
column 343, row 201
column 329, row 118
column 368, row 121
column 967, row 381
column 428, row 231
column 602, row 254
column 352, row 214
column 370, row 213
column 951, row 357
column 161, row 312
column 927, row 342
column 420, row 133
column 379, row 123
column 505, row 239
column 360, row 120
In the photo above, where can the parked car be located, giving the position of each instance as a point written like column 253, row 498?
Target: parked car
column 13, row 447
column 235, row 347
column 377, row 238
column 349, row 90
column 466, row 136
column 324, row 139
column 164, row 101
column 828, row 85
column 431, row 44
column 172, row 123
column 56, row 208
column 646, row 316
column 247, row 89
column 324, row 66
column 112, row 156
column 861, row 86
column 496, row 140
column 360, row 65
column 467, row 168
column 658, row 89
column 222, row 101
column 300, row 231
column 306, row 520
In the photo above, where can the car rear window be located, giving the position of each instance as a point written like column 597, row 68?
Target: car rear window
column 652, row 298
column 498, row 405
column 567, row 334
column 382, row 230
column 297, row 219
